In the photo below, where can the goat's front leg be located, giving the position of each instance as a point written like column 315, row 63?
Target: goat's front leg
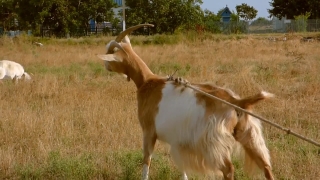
column 149, row 140
column 15, row 79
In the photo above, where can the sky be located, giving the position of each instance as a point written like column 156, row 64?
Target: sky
column 260, row 5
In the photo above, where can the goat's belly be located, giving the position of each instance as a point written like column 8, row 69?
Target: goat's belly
column 11, row 75
column 8, row 77
column 180, row 118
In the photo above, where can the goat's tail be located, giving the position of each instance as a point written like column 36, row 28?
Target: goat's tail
column 249, row 133
column 248, row 102
column 26, row 76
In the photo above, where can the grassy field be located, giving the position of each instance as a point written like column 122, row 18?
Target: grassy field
column 75, row 120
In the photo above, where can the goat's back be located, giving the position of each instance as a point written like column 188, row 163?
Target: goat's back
column 11, row 69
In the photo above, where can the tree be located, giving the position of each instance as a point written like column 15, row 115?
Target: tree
column 234, row 17
column 211, row 21
column 50, row 13
column 7, row 14
column 246, row 12
column 192, row 14
column 293, row 8
column 62, row 15
column 99, row 10
column 167, row 16
column 301, row 22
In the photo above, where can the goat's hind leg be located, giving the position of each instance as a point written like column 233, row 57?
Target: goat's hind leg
column 228, row 169
column 149, row 140
column 260, row 160
column 256, row 151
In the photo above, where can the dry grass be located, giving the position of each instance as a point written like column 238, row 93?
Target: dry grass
column 76, row 113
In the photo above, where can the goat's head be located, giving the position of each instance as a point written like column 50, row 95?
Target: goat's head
column 119, row 52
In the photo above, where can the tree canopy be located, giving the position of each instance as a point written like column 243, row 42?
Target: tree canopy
column 7, row 13
column 246, row 12
column 60, row 14
column 289, row 9
column 210, row 21
column 167, row 15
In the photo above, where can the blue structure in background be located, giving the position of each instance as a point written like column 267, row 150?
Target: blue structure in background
column 226, row 15
column 119, row 2
column 92, row 24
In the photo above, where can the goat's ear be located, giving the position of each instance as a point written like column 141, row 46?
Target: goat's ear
column 110, row 57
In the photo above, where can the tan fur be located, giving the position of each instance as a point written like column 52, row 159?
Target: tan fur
column 210, row 103
column 134, row 67
column 149, row 96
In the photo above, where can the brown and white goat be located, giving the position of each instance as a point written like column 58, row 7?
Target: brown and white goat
column 201, row 131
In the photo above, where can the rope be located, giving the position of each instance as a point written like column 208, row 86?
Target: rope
column 288, row 131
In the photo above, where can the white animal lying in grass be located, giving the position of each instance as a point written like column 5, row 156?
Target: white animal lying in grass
column 37, row 43
column 12, row 70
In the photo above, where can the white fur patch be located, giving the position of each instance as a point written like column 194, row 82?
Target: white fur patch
column 267, row 95
column 184, row 176
column 10, row 70
column 145, row 172
column 2, row 73
column 198, row 142
column 178, row 115
column 124, row 75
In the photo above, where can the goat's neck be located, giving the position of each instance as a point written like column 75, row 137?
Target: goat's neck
column 138, row 71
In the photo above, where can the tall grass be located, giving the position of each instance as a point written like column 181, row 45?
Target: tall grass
column 75, row 120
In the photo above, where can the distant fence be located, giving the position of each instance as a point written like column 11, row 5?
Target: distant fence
column 311, row 25
column 80, row 32
column 14, row 33
column 272, row 26
column 249, row 27
column 286, row 26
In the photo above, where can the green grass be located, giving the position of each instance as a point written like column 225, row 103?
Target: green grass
column 58, row 167
column 121, row 165
column 129, row 166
